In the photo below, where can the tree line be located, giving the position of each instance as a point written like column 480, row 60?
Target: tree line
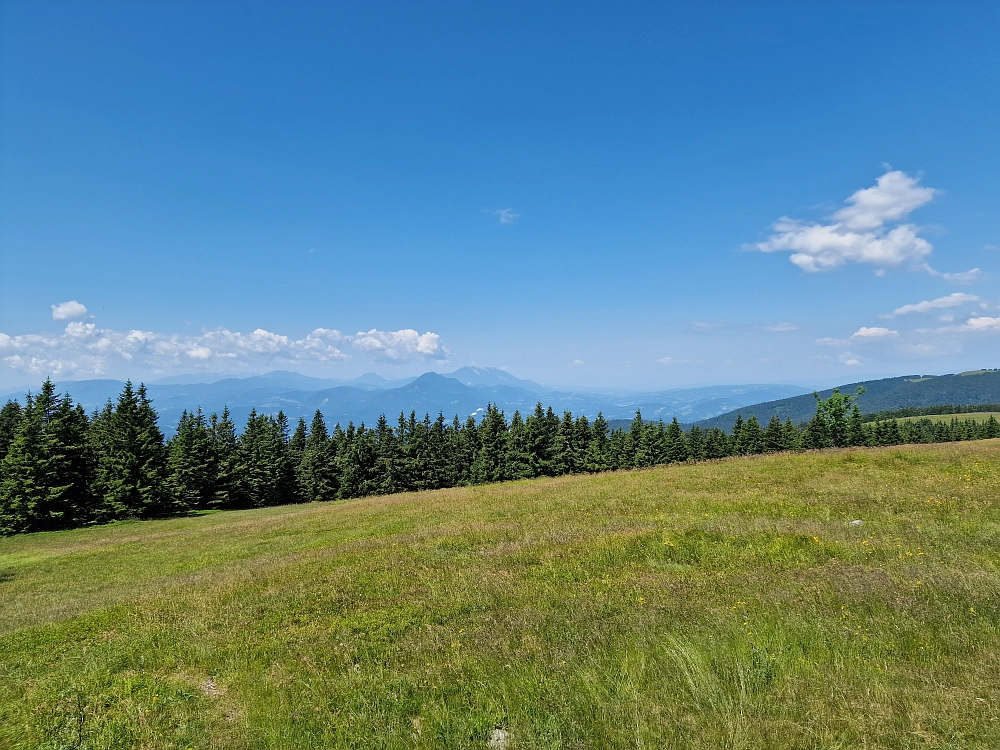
column 62, row 468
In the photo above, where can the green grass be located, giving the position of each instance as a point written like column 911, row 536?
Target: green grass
column 718, row 605
column 977, row 416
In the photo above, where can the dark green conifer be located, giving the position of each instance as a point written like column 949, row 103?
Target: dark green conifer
column 676, row 445
column 192, row 464
column 131, row 460
column 518, row 459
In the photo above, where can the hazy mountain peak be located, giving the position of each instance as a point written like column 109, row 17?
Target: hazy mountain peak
column 492, row 376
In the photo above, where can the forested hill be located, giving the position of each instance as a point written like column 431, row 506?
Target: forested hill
column 973, row 387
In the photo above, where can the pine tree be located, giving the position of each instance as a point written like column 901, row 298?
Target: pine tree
column 753, row 437
column 388, row 462
column 817, row 432
column 542, row 426
column 262, row 465
column 717, row 444
column 696, row 443
column 317, row 472
column 643, row 442
column 297, row 444
column 192, row 464
column 131, row 460
column 488, row 466
column 792, row 436
column 774, row 436
column 596, row 456
column 227, row 485
column 517, row 462
column 855, row 428
column 10, row 418
column 566, row 454
column 44, row 474
column 676, row 445
column 737, row 440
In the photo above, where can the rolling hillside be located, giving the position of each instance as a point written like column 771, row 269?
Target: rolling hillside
column 974, row 387
column 831, row 599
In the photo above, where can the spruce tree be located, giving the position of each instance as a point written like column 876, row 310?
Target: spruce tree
column 10, row 418
column 753, row 438
column 192, row 464
column 737, row 440
column 488, row 465
column 855, row 428
column 297, row 444
column 792, row 435
column 541, row 426
column 596, row 455
column 517, row 462
column 717, row 444
column 696, row 443
column 227, row 485
column 131, row 460
column 317, row 472
column 566, row 454
column 388, row 462
column 774, row 436
column 44, row 475
column 676, row 445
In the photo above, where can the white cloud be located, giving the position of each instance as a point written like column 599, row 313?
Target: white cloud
column 702, row 325
column 849, row 359
column 858, row 233
column 783, row 327
column 575, row 363
column 983, row 323
column 952, row 300
column 674, row 361
column 832, row 342
column 83, row 349
column 506, row 215
column 895, row 196
column 402, row 345
column 873, row 333
column 68, row 310
column 965, row 278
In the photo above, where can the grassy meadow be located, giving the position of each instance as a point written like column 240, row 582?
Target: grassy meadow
column 975, row 416
column 715, row 605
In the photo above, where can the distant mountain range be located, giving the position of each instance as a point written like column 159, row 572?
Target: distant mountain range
column 464, row 392
column 973, row 387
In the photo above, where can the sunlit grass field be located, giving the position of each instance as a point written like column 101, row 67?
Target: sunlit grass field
column 718, row 605
column 976, row 416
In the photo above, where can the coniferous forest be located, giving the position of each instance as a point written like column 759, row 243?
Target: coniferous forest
column 61, row 468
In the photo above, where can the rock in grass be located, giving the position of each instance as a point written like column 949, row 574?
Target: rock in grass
column 498, row 739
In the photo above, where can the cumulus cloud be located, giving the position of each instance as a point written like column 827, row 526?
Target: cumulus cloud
column 400, row 345
column 952, row 300
column 84, row 349
column 68, row 310
column 982, row 323
column 964, row 278
column 858, row 232
column 575, row 363
column 782, row 327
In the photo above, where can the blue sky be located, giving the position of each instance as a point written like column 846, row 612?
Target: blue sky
column 581, row 193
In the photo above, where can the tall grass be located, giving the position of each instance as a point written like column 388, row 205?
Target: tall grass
column 720, row 605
